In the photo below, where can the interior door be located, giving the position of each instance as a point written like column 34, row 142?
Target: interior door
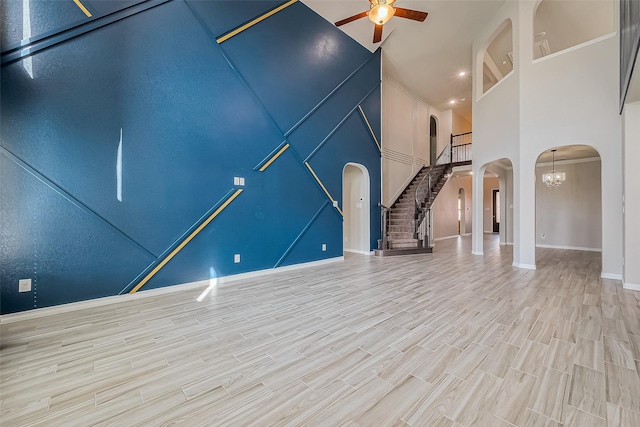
column 496, row 211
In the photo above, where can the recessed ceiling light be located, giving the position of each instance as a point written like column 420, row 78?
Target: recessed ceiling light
column 541, row 34
column 453, row 101
column 463, row 99
column 462, row 73
column 504, row 62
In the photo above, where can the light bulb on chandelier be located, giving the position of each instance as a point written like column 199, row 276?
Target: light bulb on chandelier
column 553, row 179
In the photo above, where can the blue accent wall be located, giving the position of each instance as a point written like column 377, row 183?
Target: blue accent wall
column 193, row 114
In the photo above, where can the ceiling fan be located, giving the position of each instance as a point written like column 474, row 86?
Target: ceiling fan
column 380, row 12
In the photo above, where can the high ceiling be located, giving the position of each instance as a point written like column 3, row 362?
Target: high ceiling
column 424, row 57
column 427, row 57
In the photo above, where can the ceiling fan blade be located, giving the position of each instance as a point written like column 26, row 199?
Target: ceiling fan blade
column 415, row 15
column 351, row 18
column 377, row 34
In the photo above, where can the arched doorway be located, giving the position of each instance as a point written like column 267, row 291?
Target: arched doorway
column 356, row 203
column 433, row 140
column 568, row 199
column 493, row 205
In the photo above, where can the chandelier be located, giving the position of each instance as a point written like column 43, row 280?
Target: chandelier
column 553, row 179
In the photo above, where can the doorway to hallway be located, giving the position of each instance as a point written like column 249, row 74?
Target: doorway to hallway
column 356, row 209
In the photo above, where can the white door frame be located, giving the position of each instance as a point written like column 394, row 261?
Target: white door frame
column 364, row 219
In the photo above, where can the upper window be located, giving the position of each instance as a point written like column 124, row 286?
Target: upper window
column 561, row 24
column 498, row 58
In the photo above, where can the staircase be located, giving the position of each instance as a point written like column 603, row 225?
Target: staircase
column 406, row 224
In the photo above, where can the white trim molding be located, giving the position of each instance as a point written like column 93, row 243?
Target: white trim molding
column 571, row 248
column 525, row 266
column 612, row 276
column 356, row 251
column 576, row 47
column 569, row 162
column 631, row 286
column 477, row 253
column 98, row 302
column 448, row 237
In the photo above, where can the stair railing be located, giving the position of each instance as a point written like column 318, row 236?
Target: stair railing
column 461, row 147
column 457, row 150
column 384, row 227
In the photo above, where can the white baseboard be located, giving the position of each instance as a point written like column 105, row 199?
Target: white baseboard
column 356, row 251
column 571, row 248
column 466, row 234
column 98, row 302
column 612, row 276
column 447, row 237
column 489, row 232
column 510, row 243
column 477, row 253
column 525, row 266
column 631, row 286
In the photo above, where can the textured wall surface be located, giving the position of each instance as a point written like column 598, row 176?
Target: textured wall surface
column 121, row 139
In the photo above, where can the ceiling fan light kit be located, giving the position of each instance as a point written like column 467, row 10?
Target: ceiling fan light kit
column 380, row 12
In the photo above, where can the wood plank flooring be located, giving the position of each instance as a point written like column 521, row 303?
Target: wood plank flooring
column 442, row 339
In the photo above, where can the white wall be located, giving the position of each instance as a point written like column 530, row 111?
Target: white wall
column 405, row 136
column 575, row 94
column 507, row 237
column 567, row 98
column 445, row 208
column 631, row 273
column 496, row 120
column 570, row 216
column 459, row 124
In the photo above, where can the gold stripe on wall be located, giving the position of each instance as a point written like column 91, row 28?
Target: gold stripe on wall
column 369, row 126
column 254, row 22
column 81, row 6
column 323, row 187
column 271, row 160
column 184, row 242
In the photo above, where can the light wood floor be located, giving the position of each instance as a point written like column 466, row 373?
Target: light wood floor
column 442, row 339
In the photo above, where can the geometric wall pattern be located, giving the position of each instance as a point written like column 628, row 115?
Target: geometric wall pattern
column 124, row 126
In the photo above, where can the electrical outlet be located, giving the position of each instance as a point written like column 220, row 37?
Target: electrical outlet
column 236, row 180
column 24, row 285
column 241, row 181
column 324, row 247
column 236, row 258
column 335, row 203
column 544, row 236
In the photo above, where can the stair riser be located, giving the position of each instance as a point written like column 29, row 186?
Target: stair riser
column 403, row 245
column 401, row 229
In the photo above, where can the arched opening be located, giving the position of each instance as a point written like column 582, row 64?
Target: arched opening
column 356, row 205
column 569, row 206
column 497, row 61
column 494, row 209
column 433, row 140
column 560, row 24
column 462, row 223
column 451, row 216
